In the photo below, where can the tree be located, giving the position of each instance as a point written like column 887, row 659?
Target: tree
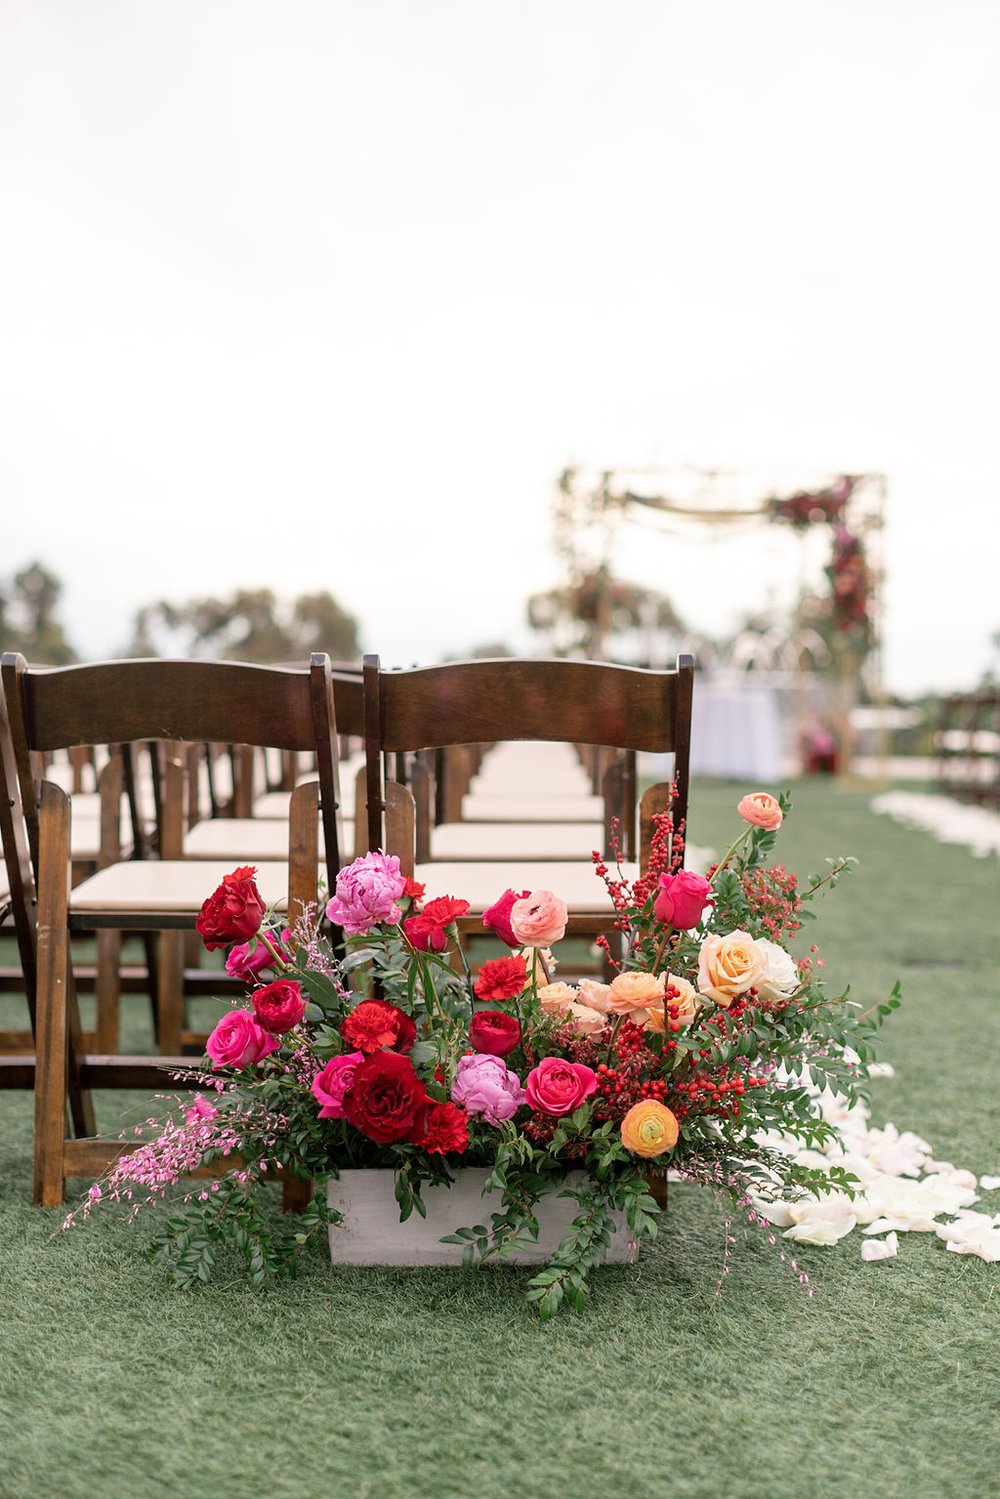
column 28, row 620
column 248, row 625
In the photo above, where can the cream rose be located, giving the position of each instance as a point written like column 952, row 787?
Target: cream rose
column 728, row 966
column 556, row 999
column 780, row 978
column 635, row 991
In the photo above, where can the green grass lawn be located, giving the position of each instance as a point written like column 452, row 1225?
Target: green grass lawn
column 442, row 1384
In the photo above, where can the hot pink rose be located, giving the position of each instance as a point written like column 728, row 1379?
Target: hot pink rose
column 558, row 1087
column 497, row 916
column 681, row 899
column 761, row 810
column 246, row 965
column 538, row 919
column 238, row 1041
column 336, row 1079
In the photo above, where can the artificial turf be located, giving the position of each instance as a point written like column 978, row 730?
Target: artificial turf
column 443, row 1384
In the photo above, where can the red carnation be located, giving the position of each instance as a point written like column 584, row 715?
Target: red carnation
column 413, row 890
column 279, row 1006
column 494, row 1032
column 501, row 979
column 497, row 916
column 427, row 930
column 387, row 1101
column 233, row 912
column 447, row 1130
column 374, row 1024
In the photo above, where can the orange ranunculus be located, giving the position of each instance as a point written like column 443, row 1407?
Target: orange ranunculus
column 635, row 991
column 761, row 810
column 649, row 1128
column 538, row 918
column 729, row 966
column 681, row 1006
column 595, row 995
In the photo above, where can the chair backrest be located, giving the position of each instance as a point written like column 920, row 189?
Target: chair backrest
column 475, row 702
column 123, row 702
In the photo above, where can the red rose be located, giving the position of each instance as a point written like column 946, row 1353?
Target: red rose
column 233, row 912
column 387, row 1101
column 681, row 899
column 501, row 979
column 427, row 931
column 279, row 1006
column 447, row 1130
column 497, row 916
column 374, row 1024
column 494, row 1032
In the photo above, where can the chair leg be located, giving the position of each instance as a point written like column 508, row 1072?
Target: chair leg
column 108, row 996
column 170, row 993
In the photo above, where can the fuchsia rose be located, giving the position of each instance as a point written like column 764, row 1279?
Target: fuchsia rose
column 367, row 893
column 279, row 1006
column 336, row 1079
column 681, row 899
column 485, row 1087
column 238, row 1041
column 557, row 1087
column 494, row 1032
column 246, row 965
column 538, row 919
column 497, row 916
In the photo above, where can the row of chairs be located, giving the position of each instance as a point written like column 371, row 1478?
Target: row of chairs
column 408, row 722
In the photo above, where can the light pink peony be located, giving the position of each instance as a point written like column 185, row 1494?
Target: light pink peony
column 238, row 1041
column 336, row 1079
column 485, row 1086
column 367, row 893
column 539, row 918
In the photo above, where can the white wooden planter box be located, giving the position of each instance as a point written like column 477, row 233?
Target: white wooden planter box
column 371, row 1233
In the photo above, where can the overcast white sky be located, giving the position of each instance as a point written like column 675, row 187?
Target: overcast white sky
column 327, row 294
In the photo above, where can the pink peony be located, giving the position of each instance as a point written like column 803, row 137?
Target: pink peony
column 246, row 965
column 484, row 1086
column 367, row 892
column 539, row 918
column 336, row 1079
column 558, row 1087
column 238, row 1041
column 681, row 899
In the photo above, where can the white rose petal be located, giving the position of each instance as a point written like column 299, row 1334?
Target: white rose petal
column 989, row 1183
column 816, row 1231
column 880, row 1249
column 777, row 1213
column 780, row 978
column 881, row 1069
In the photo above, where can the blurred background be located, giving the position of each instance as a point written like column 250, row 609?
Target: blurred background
column 440, row 329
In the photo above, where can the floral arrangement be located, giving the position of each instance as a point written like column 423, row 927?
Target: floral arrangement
column 390, row 1051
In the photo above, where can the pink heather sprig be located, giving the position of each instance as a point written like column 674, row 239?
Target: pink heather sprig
column 318, row 958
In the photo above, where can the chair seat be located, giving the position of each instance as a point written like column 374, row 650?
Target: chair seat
column 532, row 806
column 245, row 839
column 516, row 840
column 483, row 883
column 168, row 887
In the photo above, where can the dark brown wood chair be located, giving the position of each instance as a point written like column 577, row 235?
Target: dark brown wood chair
column 476, row 702
column 118, row 703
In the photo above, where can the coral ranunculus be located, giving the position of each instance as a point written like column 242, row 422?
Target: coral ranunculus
column 233, row 912
column 539, row 918
column 497, row 916
column 681, row 899
column 374, row 1024
column 501, row 979
column 649, row 1128
column 760, row 810
column 635, row 991
column 387, row 1101
column 494, row 1032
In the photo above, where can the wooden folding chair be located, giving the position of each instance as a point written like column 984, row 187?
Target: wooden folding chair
column 476, row 702
column 116, row 703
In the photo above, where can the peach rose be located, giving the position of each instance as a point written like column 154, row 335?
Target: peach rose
column 729, row 966
column 649, row 1128
column 682, row 1005
column 539, row 918
column 760, row 810
column 556, row 999
column 595, row 995
column 586, row 1022
column 635, row 991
